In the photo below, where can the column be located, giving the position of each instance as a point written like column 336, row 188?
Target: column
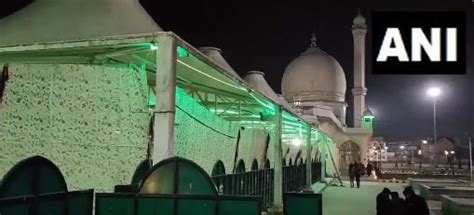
column 277, row 160
column 308, row 159
column 165, row 111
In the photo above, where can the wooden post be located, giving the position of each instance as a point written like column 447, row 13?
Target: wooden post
column 308, row 159
column 277, row 160
column 165, row 111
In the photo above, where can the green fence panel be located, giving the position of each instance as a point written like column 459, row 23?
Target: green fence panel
column 17, row 206
column 196, row 206
column 302, row 204
column 80, row 202
column 155, row 206
column 114, row 205
column 239, row 207
column 51, row 205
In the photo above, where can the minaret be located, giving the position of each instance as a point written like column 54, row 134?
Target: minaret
column 359, row 29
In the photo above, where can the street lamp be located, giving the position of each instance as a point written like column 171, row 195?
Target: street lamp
column 419, row 156
column 434, row 92
column 446, row 153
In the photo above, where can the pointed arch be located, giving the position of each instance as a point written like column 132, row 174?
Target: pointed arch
column 218, row 169
column 32, row 176
column 240, row 166
column 254, row 165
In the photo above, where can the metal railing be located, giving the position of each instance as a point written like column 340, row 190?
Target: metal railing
column 261, row 182
column 253, row 183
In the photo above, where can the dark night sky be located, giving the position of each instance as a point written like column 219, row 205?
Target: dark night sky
column 265, row 35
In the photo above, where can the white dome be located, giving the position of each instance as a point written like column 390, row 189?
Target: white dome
column 314, row 76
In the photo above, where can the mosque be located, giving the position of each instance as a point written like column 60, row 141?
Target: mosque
column 315, row 84
column 98, row 88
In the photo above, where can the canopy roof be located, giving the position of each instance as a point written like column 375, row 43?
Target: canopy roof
column 232, row 98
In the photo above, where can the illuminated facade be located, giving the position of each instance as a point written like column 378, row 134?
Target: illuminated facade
column 98, row 100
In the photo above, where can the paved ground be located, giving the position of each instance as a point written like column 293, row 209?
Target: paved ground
column 353, row 201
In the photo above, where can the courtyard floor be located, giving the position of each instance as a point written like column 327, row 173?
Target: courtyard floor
column 353, row 201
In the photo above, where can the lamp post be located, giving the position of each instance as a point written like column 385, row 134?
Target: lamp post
column 419, row 157
column 433, row 92
column 470, row 158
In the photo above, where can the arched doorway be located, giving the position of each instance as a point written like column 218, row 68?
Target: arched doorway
column 348, row 152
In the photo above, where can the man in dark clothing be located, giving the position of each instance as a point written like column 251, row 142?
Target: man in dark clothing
column 397, row 205
column 359, row 171
column 351, row 174
column 383, row 202
column 369, row 169
column 414, row 204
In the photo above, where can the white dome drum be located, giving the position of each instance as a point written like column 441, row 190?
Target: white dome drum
column 314, row 76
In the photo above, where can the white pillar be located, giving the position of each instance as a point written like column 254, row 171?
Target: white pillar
column 277, row 160
column 359, row 30
column 308, row 159
column 323, row 157
column 165, row 111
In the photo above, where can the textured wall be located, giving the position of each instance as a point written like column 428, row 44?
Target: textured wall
column 91, row 121
column 205, row 138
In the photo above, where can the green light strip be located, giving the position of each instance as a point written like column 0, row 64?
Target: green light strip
column 263, row 103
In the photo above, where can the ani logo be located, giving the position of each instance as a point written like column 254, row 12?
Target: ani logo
column 418, row 43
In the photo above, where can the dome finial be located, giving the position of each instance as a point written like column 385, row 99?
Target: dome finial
column 359, row 19
column 313, row 40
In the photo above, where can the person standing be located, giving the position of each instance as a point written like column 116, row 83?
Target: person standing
column 414, row 204
column 359, row 171
column 351, row 174
column 383, row 202
column 397, row 205
column 369, row 169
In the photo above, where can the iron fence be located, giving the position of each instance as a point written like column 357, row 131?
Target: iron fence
column 253, row 183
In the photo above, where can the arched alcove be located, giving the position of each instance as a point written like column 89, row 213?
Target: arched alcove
column 240, row 166
column 254, row 165
column 218, row 169
column 32, row 176
column 267, row 164
column 177, row 176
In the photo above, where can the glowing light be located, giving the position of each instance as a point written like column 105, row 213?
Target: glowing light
column 446, row 152
column 452, row 152
column 402, row 147
column 424, row 141
column 433, row 92
column 153, row 47
column 296, row 141
column 182, row 52
column 419, row 151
